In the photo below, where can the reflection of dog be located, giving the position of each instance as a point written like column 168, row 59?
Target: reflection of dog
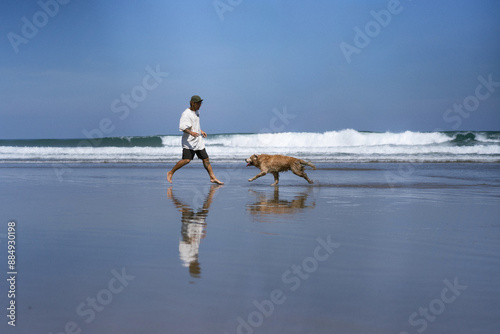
column 269, row 206
column 278, row 163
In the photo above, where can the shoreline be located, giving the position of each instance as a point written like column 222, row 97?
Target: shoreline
column 225, row 164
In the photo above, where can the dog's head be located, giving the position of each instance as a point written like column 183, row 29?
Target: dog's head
column 253, row 160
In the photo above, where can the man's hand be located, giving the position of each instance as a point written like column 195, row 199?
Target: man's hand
column 196, row 134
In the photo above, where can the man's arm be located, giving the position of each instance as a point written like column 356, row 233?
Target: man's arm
column 192, row 133
column 185, row 124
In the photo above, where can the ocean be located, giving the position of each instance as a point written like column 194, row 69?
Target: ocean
column 345, row 146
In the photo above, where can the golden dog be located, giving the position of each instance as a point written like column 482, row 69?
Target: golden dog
column 275, row 164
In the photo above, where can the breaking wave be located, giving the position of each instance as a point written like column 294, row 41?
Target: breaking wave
column 331, row 146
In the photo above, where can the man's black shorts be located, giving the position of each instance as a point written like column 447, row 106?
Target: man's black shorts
column 189, row 154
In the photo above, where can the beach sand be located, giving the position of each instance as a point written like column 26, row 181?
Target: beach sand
column 368, row 248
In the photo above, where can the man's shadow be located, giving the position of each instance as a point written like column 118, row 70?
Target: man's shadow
column 193, row 229
column 267, row 206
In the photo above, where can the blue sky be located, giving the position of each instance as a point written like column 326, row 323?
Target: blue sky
column 71, row 69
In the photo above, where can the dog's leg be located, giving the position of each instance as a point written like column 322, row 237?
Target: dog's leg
column 257, row 176
column 303, row 174
column 298, row 169
column 307, row 179
column 276, row 178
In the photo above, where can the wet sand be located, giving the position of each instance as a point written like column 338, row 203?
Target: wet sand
column 369, row 248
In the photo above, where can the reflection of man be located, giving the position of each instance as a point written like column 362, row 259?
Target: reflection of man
column 193, row 229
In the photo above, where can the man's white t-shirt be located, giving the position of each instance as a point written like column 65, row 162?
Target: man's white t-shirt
column 191, row 120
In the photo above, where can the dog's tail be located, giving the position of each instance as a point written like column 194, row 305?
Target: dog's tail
column 307, row 163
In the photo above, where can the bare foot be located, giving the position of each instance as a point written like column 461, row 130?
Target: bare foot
column 214, row 180
column 169, row 176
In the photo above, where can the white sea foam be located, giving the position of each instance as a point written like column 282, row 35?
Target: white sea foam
column 333, row 146
column 344, row 138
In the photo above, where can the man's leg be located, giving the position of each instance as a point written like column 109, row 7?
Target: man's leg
column 177, row 166
column 208, row 167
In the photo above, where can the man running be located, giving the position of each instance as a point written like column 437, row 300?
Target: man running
column 192, row 140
